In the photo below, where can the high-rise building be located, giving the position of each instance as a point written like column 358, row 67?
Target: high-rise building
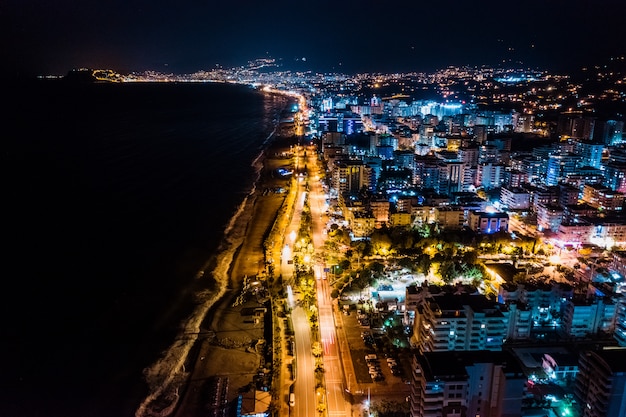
column 350, row 176
column 601, row 383
column 490, row 175
column 609, row 132
column 602, row 198
column 559, row 166
column 615, row 174
column 586, row 318
column 459, row 322
column 477, row 384
column 426, row 172
column 514, row 178
column 450, row 177
column 590, row 153
column 515, row 198
column 468, row 155
column 549, row 217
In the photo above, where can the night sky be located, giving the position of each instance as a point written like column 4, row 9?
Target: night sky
column 51, row 37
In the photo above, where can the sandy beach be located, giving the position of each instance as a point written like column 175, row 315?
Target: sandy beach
column 230, row 347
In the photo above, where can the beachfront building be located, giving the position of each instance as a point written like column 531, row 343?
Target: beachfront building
column 254, row 403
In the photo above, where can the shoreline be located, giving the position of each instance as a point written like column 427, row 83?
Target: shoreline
column 179, row 378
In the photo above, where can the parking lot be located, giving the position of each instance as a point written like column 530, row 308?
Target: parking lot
column 377, row 365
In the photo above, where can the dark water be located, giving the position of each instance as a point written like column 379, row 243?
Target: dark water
column 113, row 197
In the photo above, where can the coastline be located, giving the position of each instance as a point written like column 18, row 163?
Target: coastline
column 178, row 381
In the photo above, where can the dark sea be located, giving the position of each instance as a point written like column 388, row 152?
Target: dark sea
column 114, row 197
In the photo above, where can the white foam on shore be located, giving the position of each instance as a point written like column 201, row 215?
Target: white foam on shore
column 167, row 375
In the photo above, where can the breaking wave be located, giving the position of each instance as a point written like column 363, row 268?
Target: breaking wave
column 168, row 375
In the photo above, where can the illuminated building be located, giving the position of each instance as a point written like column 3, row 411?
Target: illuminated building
column 380, row 209
column 609, row 132
column 602, row 198
column 574, row 234
column 534, row 168
column 515, row 198
column 620, row 321
column 572, row 125
column 459, row 322
column 586, row 318
column 350, row 176
column 404, row 159
column 488, row 153
column 559, row 166
column 615, row 174
column 423, row 214
column 362, row 224
column 590, row 153
column 514, row 178
column 450, row 177
column 561, row 368
column 426, row 172
column 477, row 384
column 568, row 195
column 584, row 175
column 549, row 217
column 576, row 213
column 468, row 155
column 400, row 219
column 617, row 154
column 542, row 196
column 490, row 175
column 488, row 223
column 450, row 218
column 601, row 383
column 538, row 300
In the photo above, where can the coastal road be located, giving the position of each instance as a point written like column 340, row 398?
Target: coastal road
column 291, row 231
column 333, row 370
column 304, row 387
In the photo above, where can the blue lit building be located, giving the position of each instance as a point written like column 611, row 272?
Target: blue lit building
column 559, row 166
column 590, row 153
column 488, row 223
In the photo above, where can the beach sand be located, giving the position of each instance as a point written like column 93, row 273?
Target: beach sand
column 235, row 357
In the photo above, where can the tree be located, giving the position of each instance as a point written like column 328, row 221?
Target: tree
column 448, row 271
column 316, row 349
column 381, row 242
